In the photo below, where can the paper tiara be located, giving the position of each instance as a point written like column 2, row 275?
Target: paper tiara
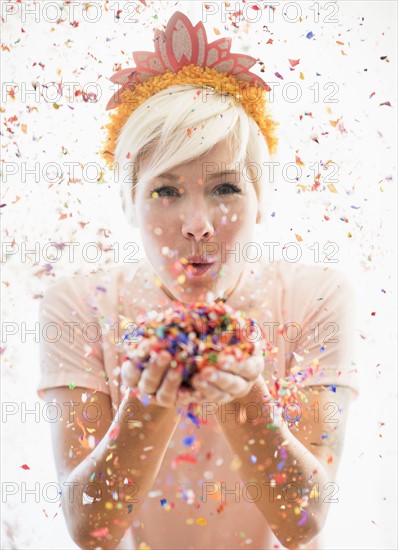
column 184, row 56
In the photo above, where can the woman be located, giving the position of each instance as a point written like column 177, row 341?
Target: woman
column 138, row 464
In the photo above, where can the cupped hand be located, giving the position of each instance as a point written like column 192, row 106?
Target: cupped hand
column 229, row 379
column 157, row 379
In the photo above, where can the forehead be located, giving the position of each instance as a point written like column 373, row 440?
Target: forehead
column 218, row 161
column 206, row 176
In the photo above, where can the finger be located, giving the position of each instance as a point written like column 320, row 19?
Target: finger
column 184, row 397
column 252, row 367
column 133, row 367
column 154, row 371
column 189, row 396
column 248, row 369
column 226, row 382
column 210, row 392
column 166, row 395
column 141, row 352
column 130, row 374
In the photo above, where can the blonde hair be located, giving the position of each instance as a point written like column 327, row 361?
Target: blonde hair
column 180, row 124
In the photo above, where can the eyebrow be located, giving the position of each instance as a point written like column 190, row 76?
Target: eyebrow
column 215, row 175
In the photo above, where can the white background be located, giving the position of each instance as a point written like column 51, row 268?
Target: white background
column 363, row 145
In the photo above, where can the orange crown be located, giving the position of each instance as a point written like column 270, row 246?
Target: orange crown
column 184, row 56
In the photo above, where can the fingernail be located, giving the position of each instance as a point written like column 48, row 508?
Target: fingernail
column 213, row 377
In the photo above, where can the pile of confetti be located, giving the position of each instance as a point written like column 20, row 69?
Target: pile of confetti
column 194, row 335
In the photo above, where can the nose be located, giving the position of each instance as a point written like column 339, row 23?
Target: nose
column 196, row 225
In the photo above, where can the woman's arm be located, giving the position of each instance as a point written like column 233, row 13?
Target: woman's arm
column 115, row 475
column 294, row 469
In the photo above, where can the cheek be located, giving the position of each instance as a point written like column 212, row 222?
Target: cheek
column 155, row 217
column 236, row 217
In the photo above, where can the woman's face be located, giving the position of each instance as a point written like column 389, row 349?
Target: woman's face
column 191, row 211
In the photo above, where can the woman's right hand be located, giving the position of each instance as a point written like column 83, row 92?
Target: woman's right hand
column 157, row 378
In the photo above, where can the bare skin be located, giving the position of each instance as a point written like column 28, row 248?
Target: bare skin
column 226, row 515
column 150, row 452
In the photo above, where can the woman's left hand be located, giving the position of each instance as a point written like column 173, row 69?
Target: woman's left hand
column 229, row 380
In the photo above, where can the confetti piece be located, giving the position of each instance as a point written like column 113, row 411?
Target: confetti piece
column 332, row 388
column 303, row 519
column 100, row 289
column 332, row 188
column 279, row 478
column 294, row 62
column 83, row 439
column 145, row 400
column 189, row 440
column 72, row 386
column 25, row 467
column 310, row 35
column 186, row 457
column 236, row 463
column 272, row 427
column 334, row 122
column 114, row 432
column 193, row 418
column 102, row 532
column 194, row 335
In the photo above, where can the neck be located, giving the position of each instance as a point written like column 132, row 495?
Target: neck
column 223, row 298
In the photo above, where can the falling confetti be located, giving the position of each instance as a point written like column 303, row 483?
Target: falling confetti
column 102, row 532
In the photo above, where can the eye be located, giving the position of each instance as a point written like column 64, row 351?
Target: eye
column 163, row 191
column 229, row 189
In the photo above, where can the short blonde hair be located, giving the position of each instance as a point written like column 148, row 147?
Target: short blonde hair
column 179, row 124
